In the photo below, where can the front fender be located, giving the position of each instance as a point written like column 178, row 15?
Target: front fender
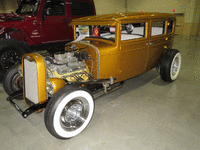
column 15, row 33
column 5, row 30
column 19, row 35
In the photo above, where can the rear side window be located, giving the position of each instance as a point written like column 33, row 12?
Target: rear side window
column 157, row 28
column 80, row 8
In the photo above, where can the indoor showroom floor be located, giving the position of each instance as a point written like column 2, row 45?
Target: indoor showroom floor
column 145, row 114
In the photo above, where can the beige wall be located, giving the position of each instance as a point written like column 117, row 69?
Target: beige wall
column 10, row 5
column 166, row 6
column 2, row 9
column 189, row 24
column 109, row 6
column 192, row 18
column 197, row 16
column 7, row 6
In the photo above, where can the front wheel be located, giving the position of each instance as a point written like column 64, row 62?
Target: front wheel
column 12, row 81
column 69, row 112
column 170, row 65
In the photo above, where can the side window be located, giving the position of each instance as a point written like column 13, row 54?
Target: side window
column 169, row 26
column 55, row 7
column 157, row 28
column 133, row 31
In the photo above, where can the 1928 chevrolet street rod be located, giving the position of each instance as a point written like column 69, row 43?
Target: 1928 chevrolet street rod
column 109, row 50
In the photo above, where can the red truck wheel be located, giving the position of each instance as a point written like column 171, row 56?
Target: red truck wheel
column 11, row 52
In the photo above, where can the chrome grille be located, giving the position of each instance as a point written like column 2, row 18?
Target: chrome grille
column 31, row 81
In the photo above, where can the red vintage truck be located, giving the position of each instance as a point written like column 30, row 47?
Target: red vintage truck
column 39, row 25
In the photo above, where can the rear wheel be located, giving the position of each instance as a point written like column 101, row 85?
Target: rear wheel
column 170, row 65
column 69, row 112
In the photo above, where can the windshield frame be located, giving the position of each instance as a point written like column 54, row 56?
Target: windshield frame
column 97, row 31
column 116, row 24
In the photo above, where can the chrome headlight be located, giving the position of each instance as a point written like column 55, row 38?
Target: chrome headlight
column 54, row 84
column 20, row 70
column 50, row 88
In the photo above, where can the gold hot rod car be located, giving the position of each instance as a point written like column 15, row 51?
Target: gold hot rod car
column 107, row 49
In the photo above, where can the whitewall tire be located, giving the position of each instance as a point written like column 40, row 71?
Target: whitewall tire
column 170, row 65
column 69, row 112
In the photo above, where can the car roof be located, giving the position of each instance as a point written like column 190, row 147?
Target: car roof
column 123, row 17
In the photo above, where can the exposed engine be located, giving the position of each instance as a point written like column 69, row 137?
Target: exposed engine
column 66, row 64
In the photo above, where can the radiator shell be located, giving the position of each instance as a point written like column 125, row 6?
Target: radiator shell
column 34, row 78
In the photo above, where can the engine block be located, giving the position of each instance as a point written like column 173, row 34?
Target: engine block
column 66, row 65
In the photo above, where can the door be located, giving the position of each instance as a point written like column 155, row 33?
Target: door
column 55, row 27
column 161, row 38
column 133, row 52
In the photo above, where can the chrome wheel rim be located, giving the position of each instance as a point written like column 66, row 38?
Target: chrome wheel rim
column 175, row 67
column 74, row 114
column 17, row 82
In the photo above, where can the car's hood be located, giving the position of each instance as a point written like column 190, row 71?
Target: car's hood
column 4, row 17
column 102, row 47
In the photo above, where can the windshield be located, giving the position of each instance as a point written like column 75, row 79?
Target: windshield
column 28, row 7
column 104, row 32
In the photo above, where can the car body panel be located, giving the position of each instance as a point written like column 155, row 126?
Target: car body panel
column 131, row 57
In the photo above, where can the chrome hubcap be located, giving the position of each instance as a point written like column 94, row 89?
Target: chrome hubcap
column 17, row 82
column 175, row 66
column 74, row 114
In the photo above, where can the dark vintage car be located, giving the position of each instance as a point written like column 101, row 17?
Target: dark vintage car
column 107, row 50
